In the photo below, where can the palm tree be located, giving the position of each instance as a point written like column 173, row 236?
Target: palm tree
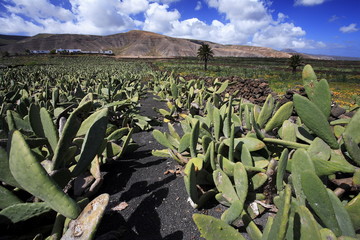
column 295, row 61
column 205, row 53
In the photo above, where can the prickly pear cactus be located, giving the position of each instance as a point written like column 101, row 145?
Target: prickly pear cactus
column 85, row 226
column 215, row 229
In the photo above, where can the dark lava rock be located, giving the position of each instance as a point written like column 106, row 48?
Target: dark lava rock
column 336, row 111
column 349, row 114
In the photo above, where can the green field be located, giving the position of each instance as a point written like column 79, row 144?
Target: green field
column 343, row 76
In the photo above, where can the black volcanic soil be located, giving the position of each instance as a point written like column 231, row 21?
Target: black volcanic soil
column 157, row 203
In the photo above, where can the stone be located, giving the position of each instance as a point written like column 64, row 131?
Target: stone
column 336, row 111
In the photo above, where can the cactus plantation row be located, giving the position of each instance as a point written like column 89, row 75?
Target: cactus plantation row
column 60, row 124
column 249, row 157
column 57, row 128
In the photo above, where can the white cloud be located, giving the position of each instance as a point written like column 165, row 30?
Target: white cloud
column 133, row 6
column 14, row 24
column 308, row 2
column 198, row 6
column 251, row 22
column 349, row 29
column 165, row 1
column 102, row 14
column 39, row 9
column 284, row 34
column 85, row 16
column 159, row 19
column 250, row 10
column 246, row 21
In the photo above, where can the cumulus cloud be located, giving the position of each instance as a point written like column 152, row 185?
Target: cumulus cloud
column 244, row 22
column 349, row 29
column 251, row 22
column 102, row 14
column 285, row 34
column 39, row 9
column 308, row 2
column 14, row 24
column 85, row 16
column 133, row 6
column 250, row 10
column 159, row 19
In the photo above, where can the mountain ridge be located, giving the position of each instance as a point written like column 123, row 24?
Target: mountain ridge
column 138, row 43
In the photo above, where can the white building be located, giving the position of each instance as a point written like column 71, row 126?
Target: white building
column 39, row 51
column 60, row 50
column 108, row 52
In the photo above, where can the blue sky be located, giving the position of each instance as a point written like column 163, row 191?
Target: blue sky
column 329, row 27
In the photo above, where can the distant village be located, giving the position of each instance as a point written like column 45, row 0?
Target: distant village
column 71, row 51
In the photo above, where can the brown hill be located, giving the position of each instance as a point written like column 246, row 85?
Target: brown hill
column 136, row 44
column 9, row 39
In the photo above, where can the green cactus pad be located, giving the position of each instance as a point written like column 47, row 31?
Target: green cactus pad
column 353, row 208
column 173, row 132
column 309, row 79
column 16, row 122
column 288, row 131
column 322, row 97
column 319, row 150
column 118, row 134
column 266, row 111
column 309, row 228
column 232, row 213
column 184, row 142
column 7, row 198
column 225, row 186
column 49, row 128
column 85, row 226
column 217, row 122
column 92, row 142
column 301, row 162
column 214, row 229
column 252, row 144
column 127, row 145
column 319, row 200
column 29, row 173
column 161, row 138
column 258, row 180
column 281, row 169
column 327, row 234
column 342, row 216
column 351, row 137
column 315, row 120
column 222, row 87
column 5, row 174
column 279, row 226
column 324, row 168
column 71, row 127
column 282, row 114
column 194, row 138
column 241, row 181
column 284, row 143
column 86, row 124
column 22, row 211
column 35, row 120
column 190, row 182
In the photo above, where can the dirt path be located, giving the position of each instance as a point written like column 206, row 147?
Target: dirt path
column 157, row 203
